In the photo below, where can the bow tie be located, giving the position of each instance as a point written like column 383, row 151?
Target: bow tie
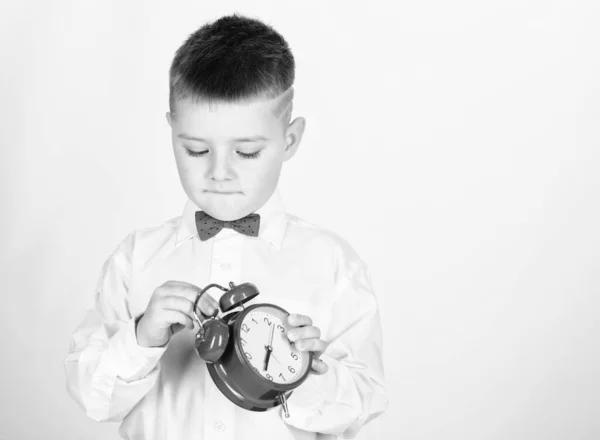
column 208, row 226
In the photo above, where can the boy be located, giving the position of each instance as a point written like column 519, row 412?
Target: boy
column 129, row 360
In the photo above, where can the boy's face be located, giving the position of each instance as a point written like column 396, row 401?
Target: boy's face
column 229, row 156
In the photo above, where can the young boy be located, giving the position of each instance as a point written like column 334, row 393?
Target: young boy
column 130, row 360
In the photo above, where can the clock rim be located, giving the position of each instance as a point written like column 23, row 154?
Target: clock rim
column 240, row 354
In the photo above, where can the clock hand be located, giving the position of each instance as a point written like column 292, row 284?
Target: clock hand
column 271, row 336
column 274, row 357
column 267, row 356
column 269, row 348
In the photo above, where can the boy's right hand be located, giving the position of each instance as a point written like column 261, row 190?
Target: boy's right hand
column 170, row 311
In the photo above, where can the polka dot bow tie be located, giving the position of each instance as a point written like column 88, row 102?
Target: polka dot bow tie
column 208, row 226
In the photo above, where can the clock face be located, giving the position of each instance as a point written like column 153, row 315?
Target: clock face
column 264, row 327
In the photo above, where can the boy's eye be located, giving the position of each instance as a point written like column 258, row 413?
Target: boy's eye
column 196, row 153
column 250, row 155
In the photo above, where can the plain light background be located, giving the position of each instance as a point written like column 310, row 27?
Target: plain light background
column 455, row 145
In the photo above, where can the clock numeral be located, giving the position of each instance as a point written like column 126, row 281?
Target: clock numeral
column 267, row 320
column 245, row 328
column 291, row 369
column 269, row 377
column 255, row 321
column 295, row 356
column 280, row 328
column 248, row 355
column 281, row 375
column 244, row 341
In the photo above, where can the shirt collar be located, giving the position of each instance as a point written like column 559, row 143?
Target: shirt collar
column 272, row 221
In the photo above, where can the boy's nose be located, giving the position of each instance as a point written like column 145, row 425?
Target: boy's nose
column 220, row 167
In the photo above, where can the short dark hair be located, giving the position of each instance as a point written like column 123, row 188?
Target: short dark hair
column 234, row 58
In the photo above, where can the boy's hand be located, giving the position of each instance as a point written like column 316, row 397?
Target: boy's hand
column 170, row 311
column 306, row 338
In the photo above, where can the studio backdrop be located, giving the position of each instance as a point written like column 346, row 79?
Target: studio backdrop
column 455, row 145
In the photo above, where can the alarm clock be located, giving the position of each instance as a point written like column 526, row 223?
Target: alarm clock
column 247, row 351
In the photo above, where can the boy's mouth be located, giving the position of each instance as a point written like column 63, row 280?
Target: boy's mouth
column 221, row 192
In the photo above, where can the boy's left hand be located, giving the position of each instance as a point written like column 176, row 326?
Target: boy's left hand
column 306, row 338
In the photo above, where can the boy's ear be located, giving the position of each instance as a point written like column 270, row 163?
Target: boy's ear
column 293, row 137
column 168, row 115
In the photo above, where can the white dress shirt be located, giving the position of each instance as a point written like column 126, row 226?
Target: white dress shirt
column 161, row 393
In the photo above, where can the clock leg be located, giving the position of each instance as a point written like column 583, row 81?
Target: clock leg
column 283, row 402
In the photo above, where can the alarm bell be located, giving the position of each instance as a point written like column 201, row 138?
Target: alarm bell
column 212, row 339
column 237, row 295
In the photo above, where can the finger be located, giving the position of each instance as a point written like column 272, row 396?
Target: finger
column 181, row 288
column 206, row 304
column 177, row 303
column 182, row 304
column 315, row 345
column 172, row 317
column 298, row 333
column 297, row 320
column 319, row 367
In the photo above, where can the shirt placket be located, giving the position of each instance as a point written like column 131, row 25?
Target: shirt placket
column 219, row 412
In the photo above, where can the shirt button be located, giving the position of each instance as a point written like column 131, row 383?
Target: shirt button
column 219, row 426
column 226, row 266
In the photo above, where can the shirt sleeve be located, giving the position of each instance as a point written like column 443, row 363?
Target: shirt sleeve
column 107, row 371
column 351, row 392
